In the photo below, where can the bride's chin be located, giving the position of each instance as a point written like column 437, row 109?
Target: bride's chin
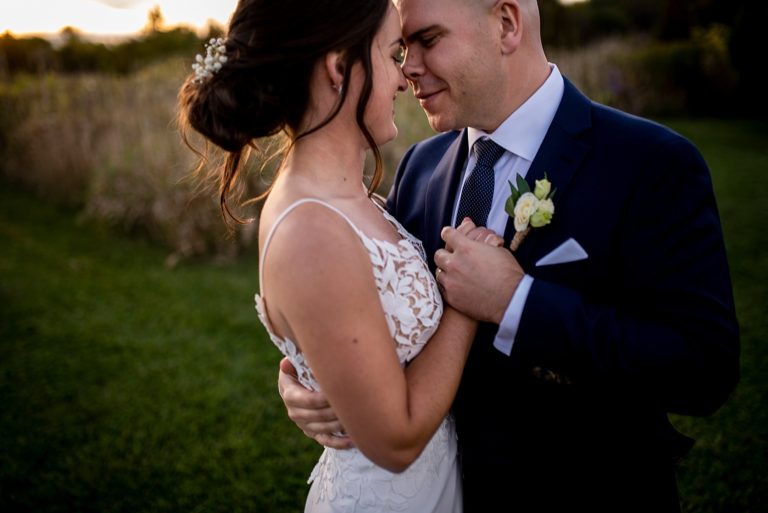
column 391, row 134
column 389, row 139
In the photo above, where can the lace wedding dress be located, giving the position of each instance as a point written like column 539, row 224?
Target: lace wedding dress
column 345, row 480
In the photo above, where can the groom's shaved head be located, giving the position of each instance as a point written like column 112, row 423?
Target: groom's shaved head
column 529, row 8
column 526, row 4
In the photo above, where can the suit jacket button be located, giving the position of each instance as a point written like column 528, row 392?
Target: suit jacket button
column 545, row 374
column 550, row 376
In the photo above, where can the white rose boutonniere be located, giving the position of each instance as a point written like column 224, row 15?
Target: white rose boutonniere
column 529, row 209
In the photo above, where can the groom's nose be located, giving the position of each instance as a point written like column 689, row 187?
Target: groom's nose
column 413, row 65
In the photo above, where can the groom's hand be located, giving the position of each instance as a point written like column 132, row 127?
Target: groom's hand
column 477, row 279
column 310, row 410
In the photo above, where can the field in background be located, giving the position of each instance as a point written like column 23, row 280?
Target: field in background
column 127, row 386
column 728, row 470
column 109, row 146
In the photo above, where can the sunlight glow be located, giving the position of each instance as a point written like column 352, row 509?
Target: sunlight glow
column 119, row 17
column 107, row 16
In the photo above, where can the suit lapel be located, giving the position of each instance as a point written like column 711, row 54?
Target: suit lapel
column 559, row 156
column 441, row 191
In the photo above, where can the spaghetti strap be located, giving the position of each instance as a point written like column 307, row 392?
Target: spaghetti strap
column 280, row 219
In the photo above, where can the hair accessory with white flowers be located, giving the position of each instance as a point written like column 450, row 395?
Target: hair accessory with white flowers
column 215, row 58
column 529, row 209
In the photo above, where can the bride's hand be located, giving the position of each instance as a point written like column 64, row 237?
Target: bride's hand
column 478, row 233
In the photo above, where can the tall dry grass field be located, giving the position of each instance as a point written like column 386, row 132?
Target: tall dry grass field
column 110, row 145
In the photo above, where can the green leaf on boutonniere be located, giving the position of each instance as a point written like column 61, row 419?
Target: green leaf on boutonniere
column 552, row 193
column 509, row 206
column 522, row 185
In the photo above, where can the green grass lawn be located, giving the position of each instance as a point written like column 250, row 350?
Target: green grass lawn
column 728, row 469
column 126, row 386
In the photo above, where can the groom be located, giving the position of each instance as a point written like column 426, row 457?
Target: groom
column 616, row 313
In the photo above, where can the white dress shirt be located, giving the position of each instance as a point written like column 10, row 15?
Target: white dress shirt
column 521, row 135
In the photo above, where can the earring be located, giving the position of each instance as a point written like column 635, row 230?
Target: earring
column 339, row 88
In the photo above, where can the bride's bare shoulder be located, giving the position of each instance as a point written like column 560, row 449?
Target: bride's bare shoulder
column 314, row 260
column 307, row 231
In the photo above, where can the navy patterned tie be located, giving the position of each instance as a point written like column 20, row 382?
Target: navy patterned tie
column 477, row 195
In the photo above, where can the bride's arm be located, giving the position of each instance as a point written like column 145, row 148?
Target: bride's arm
column 321, row 289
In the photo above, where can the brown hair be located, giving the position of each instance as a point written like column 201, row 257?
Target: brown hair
column 272, row 47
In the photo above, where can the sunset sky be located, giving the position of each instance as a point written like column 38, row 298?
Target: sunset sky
column 106, row 16
column 109, row 16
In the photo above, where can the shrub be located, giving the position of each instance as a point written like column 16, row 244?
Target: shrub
column 648, row 77
column 110, row 146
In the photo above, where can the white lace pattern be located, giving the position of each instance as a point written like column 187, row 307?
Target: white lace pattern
column 347, row 480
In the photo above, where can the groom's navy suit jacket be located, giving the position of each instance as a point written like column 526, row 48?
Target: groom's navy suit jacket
column 606, row 346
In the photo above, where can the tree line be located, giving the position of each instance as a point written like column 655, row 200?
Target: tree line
column 686, row 36
column 76, row 53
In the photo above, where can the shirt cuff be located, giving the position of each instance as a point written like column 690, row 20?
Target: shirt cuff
column 505, row 337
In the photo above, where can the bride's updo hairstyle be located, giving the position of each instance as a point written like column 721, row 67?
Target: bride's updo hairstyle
column 262, row 87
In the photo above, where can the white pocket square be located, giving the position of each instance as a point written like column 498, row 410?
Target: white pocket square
column 568, row 251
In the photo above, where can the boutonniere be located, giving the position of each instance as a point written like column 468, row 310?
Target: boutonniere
column 529, row 209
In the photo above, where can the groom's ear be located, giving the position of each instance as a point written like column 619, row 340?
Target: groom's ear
column 510, row 16
column 334, row 66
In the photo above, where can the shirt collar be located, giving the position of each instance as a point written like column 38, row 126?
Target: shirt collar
column 523, row 131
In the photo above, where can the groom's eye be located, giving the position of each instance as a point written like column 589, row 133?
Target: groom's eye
column 428, row 41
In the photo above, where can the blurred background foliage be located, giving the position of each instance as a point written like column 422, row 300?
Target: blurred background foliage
column 92, row 125
column 74, row 52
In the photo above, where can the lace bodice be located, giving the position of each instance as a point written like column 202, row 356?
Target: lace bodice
column 346, row 480
column 409, row 296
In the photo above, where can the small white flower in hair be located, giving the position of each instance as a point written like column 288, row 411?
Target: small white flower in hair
column 215, row 58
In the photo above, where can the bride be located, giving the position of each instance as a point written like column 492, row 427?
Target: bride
column 346, row 293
